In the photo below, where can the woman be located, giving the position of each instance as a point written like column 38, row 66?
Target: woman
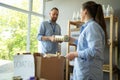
column 88, row 59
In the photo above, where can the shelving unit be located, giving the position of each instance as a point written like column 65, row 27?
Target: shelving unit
column 74, row 25
column 112, row 45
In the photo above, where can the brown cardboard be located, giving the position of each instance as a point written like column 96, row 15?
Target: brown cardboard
column 50, row 68
column 37, row 59
column 38, row 67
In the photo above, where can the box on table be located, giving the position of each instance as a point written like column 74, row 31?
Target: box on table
column 50, row 68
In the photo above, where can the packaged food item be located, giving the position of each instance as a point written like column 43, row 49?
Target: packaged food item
column 64, row 38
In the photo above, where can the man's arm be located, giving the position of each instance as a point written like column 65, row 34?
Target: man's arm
column 48, row 38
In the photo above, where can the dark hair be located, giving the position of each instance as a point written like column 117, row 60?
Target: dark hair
column 95, row 10
column 54, row 8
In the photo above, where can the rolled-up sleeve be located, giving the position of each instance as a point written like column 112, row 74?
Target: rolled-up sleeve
column 41, row 31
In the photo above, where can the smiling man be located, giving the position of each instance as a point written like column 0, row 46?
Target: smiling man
column 47, row 31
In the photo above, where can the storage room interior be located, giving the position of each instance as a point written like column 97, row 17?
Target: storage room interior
column 20, row 57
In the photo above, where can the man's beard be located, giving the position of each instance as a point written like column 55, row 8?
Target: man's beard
column 54, row 20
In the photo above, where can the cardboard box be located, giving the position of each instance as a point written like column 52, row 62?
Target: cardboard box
column 50, row 68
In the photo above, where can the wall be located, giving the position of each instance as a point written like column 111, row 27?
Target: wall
column 67, row 7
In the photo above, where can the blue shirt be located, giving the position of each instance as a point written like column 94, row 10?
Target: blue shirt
column 48, row 28
column 90, row 48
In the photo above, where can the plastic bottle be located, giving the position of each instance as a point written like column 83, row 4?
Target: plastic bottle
column 111, row 10
column 108, row 11
column 104, row 10
column 74, row 16
column 78, row 15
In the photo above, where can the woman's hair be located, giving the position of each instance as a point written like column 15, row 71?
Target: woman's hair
column 95, row 10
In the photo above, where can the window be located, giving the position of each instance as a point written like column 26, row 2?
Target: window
column 23, row 4
column 15, row 22
column 37, row 6
column 34, row 30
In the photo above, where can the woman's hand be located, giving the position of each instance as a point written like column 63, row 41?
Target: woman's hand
column 71, row 55
column 71, row 40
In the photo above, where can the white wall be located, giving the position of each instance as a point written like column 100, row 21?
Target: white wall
column 66, row 9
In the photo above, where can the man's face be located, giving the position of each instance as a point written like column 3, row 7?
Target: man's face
column 54, row 15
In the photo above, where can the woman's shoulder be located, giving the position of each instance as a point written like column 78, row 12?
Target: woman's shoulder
column 93, row 23
column 94, row 26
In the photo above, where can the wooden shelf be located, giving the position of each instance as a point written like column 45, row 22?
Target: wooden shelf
column 106, row 68
column 107, row 17
column 72, row 44
column 115, row 42
column 112, row 43
column 75, row 29
column 75, row 23
column 115, row 18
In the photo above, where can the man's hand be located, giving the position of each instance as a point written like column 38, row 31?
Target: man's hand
column 52, row 38
column 49, row 38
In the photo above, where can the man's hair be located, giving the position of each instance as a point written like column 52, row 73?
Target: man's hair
column 54, row 8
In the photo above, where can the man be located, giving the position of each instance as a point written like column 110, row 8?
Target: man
column 47, row 31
